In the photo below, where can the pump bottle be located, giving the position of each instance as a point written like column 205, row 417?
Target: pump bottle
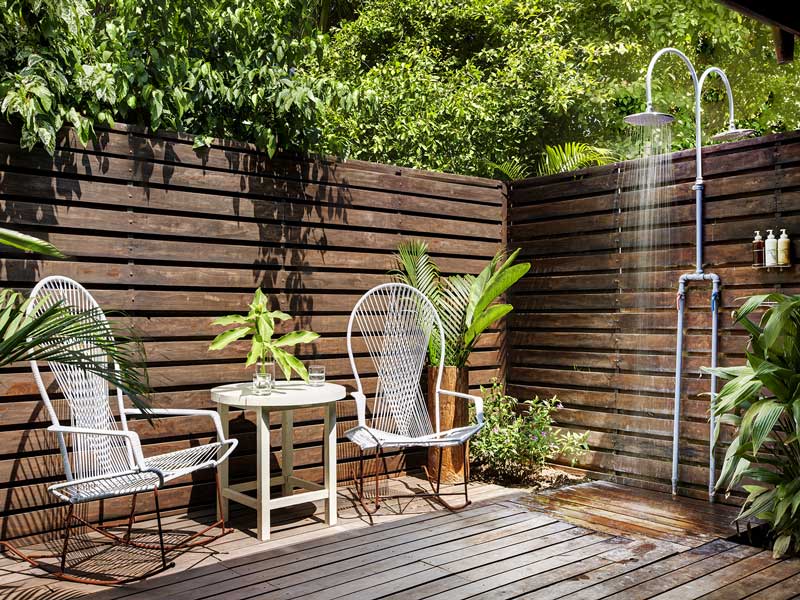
column 758, row 250
column 771, row 250
column 783, row 249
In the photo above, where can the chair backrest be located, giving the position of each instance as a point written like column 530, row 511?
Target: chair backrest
column 396, row 322
column 85, row 393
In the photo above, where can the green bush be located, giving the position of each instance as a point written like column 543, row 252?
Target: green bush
column 462, row 84
column 513, row 446
column 241, row 69
column 761, row 399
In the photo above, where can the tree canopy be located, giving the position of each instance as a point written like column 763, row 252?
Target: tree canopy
column 454, row 85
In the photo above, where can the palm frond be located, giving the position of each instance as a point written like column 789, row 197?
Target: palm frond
column 512, row 169
column 415, row 267
column 28, row 243
column 570, row 157
column 81, row 339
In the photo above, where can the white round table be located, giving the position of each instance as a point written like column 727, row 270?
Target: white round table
column 285, row 397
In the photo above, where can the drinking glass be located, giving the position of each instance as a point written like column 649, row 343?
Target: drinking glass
column 316, row 375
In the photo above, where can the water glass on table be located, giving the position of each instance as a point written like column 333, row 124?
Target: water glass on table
column 316, row 375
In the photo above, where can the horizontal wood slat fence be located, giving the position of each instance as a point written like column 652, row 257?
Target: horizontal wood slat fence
column 583, row 330
column 175, row 237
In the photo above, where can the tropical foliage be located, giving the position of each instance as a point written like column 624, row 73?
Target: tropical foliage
column 234, row 68
column 762, row 401
column 570, row 157
column 460, row 84
column 260, row 324
column 465, row 303
column 28, row 243
column 59, row 335
column 515, row 444
column 453, row 85
column 554, row 159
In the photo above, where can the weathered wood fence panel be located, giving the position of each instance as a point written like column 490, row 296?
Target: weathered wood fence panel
column 579, row 330
column 175, row 237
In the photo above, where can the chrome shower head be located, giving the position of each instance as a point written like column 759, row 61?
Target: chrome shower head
column 649, row 118
column 733, row 133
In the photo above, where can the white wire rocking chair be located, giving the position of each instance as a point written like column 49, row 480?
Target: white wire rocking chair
column 396, row 323
column 106, row 458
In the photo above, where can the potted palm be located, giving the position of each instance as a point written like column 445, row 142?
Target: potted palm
column 761, row 400
column 467, row 306
column 259, row 324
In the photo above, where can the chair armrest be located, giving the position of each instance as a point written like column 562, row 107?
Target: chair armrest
column 477, row 400
column 183, row 412
column 192, row 412
column 131, row 437
column 361, row 408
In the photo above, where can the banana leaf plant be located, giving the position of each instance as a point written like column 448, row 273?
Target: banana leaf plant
column 761, row 400
column 466, row 303
column 58, row 335
column 259, row 323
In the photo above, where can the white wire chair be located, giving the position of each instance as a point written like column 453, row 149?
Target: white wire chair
column 396, row 323
column 102, row 458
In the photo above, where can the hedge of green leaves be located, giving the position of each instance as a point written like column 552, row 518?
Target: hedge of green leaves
column 463, row 82
column 244, row 69
column 454, row 85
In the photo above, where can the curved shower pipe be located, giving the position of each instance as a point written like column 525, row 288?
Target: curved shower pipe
column 699, row 274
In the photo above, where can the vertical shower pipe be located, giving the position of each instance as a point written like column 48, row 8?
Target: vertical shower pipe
column 698, row 275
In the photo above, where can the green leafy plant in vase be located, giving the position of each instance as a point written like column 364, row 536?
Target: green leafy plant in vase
column 260, row 324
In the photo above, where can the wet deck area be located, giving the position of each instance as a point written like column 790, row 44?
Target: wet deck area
column 587, row 541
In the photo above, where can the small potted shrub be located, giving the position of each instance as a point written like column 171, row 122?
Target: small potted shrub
column 519, row 439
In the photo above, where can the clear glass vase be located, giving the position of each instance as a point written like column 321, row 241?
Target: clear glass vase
column 264, row 377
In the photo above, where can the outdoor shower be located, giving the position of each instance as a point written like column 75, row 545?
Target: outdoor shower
column 651, row 118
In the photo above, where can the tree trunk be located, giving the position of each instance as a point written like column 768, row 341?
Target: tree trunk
column 454, row 412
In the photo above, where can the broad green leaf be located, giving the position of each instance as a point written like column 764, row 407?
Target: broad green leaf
column 781, row 545
column 256, row 353
column 22, row 241
column 229, row 320
column 227, row 337
column 295, row 337
column 758, row 422
column 491, row 315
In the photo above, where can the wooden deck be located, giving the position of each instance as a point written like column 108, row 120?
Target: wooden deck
column 589, row 541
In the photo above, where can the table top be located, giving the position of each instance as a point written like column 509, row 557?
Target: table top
column 285, row 394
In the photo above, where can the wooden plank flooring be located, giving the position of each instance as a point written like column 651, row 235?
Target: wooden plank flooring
column 508, row 544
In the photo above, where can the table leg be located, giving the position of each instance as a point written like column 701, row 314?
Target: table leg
column 329, row 459
column 287, row 450
column 262, row 477
column 223, row 511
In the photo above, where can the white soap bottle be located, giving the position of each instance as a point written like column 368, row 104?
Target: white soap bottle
column 771, row 250
column 783, row 249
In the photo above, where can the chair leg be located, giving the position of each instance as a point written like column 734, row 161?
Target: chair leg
column 360, row 484
column 131, row 518
column 160, row 530
column 219, row 503
column 464, row 448
column 67, row 531
column 437, row 486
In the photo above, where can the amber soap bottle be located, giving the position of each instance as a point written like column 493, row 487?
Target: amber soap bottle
column 758, row 250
